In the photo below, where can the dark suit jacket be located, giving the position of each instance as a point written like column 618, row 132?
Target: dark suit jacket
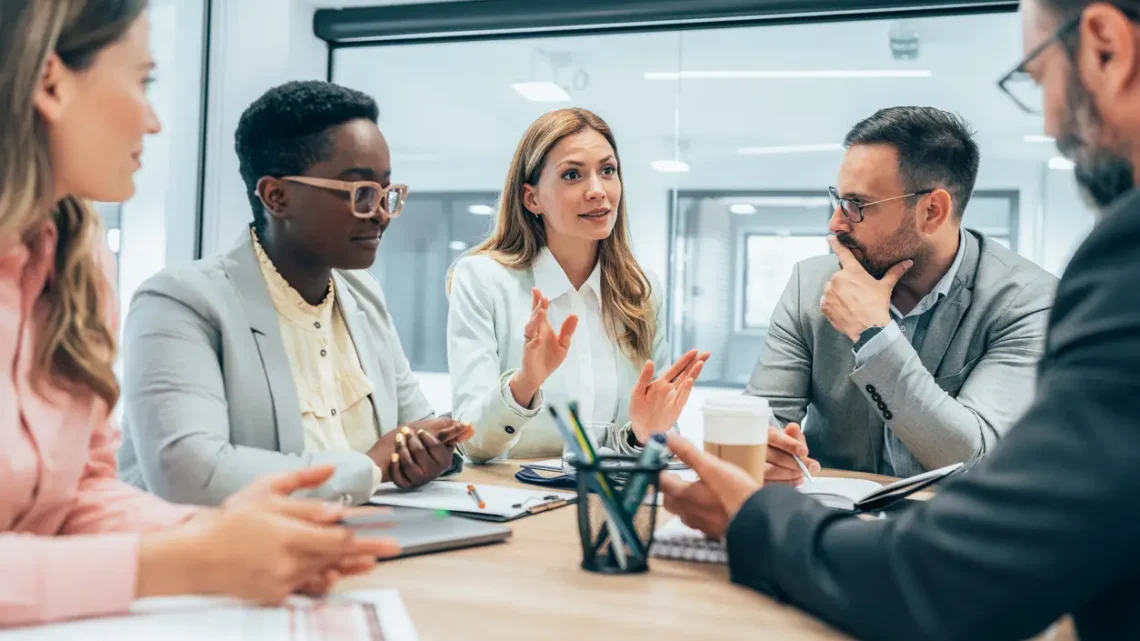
column 1044, row 525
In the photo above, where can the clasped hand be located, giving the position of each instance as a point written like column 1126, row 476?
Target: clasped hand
column 419, row 452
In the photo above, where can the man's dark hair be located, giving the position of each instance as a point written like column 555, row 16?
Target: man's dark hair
column 1069, row 8
column 936, row 149
column 286, row 131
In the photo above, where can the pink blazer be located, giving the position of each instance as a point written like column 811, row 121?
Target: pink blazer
column 69, row 529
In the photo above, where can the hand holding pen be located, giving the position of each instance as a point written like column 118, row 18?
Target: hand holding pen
column 788, row 460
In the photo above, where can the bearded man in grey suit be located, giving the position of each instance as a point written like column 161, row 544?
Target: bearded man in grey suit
column 916, row 344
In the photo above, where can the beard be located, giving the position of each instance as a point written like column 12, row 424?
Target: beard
column 1102, row 174
column 904, row 243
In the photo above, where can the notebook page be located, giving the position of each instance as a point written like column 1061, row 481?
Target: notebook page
column 840, row 493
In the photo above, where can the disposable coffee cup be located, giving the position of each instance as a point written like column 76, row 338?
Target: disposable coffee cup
column 736, row 430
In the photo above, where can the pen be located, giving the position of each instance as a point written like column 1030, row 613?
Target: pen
column 799, row 461
column 474, row 494
column 579, row 444
column 653, row 455
column 803, row 468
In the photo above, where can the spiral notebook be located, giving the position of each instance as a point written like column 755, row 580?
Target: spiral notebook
column 679, row 542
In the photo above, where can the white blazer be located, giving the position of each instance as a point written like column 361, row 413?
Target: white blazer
column 489, row 307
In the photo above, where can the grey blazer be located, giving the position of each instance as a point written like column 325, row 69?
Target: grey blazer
column 209, row 397
column 948, row 402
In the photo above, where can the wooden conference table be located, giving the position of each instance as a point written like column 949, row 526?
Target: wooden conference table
column 532, row 588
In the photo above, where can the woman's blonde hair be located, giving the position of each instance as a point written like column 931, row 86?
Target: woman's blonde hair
column 519, row 235
column 75, row 343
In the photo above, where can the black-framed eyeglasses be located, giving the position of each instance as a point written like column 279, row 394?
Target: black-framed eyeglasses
column 1021, row 87
column 853, row 209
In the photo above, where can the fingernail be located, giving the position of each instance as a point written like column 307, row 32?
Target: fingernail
column 399, row 439
column 420, row 432
column 405, row 430
column 395, row 458
column 333, row 507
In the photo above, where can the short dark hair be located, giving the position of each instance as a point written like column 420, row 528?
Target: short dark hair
column 285, row 131
column 1069, row 8
column 936, row 149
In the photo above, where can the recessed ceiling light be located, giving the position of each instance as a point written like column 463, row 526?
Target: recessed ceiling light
column 481, row 210
column 670, row 166
column 820, row 74
column 541, row 91
column 457, row 246
column 1060, row 163
column 1039, row 138
column 788, row 149
column 742, row 209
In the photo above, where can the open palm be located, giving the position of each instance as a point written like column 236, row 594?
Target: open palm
column 655, row 405
column 545, row 350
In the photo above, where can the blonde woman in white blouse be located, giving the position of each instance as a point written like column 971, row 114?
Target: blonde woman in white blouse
column 560, row 257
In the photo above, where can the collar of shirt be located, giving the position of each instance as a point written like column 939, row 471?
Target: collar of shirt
column 942, row 288
column 289, row 304
column 551, row 279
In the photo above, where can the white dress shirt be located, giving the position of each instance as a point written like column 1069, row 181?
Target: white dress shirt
column 490, row 305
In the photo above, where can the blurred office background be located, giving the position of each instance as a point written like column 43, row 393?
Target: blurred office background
column 729, row 116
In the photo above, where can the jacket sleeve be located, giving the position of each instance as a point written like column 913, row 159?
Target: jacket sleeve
column 1034, row 530
column 939, row 428
column 175, row 403
column 91, row 567
column 783, row 374
column 480, row 394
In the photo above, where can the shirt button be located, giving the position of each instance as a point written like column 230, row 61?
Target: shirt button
column 509, row 430
column 324, row 353
column 902, row 328
column 334, row 412
column 317, row 324
column 887, row 415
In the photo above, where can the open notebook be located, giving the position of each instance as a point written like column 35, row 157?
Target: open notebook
column 839, row 493
column 675, row 540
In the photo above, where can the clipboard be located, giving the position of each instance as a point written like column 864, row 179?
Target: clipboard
column 501, row 503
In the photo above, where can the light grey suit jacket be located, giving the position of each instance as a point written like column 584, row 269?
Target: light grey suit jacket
column 209, row 393
column 949, row 401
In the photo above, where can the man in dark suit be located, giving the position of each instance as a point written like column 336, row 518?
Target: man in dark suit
column 1045, row 524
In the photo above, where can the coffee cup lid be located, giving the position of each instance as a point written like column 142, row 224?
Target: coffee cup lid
column 736, row 404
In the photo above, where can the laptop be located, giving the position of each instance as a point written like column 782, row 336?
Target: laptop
column 420, row 531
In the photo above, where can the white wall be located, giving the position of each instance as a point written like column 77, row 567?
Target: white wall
column 255, row 45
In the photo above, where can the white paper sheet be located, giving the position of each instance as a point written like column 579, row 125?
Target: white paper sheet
column 501, row 501
column 367, row 615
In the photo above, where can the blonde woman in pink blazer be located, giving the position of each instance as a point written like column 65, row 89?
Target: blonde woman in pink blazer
column 75, row 541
